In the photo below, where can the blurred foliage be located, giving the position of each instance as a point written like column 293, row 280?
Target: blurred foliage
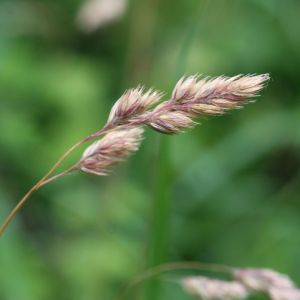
column 235, row 182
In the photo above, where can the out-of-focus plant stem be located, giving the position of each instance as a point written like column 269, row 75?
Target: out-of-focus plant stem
column 163, row 182
column 161, row 211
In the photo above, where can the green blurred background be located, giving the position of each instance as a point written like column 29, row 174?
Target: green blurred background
column 226, row 192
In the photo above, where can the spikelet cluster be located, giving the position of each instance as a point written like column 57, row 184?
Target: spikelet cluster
column 278, row 286
column 261, row 280
column 276, row 293
column 214, row 289
column 132, row 103
column 245, row 283
column 192, row 97
column 114, row 147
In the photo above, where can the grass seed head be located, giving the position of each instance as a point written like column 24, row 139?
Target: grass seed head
column 194, row 97
column 114, row 147
column 221, row 92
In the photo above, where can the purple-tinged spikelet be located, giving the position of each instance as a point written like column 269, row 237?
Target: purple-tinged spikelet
column 237, row 88
column 114, row 147
column 132, row 103
column 276, row 293
column 194, row 97
column 186, row 88
column 214, row 289
column 171, row 122
column 261, row 280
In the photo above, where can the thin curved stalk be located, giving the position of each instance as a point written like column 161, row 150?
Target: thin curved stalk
column 45, row 180
column 167, row 267
column 58, row 175
column 40, row 183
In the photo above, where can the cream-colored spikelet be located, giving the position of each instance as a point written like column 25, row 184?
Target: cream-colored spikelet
column 194, row 97
column 214, row 289
column 132, row 103
column 171, row 122
column 237, row 88
column 261, row 280
column 186, row 88
column 114, row 147
column 276, row 293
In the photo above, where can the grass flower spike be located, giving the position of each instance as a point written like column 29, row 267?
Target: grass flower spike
column 192, row 97
column 246, row 282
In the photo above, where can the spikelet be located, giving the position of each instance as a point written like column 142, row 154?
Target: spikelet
column 214, row 289
column 205, row 90
column 284, row 293
column 114, row 147
column 194, row 97
column 261, row 280
column 171, row 122
column 186, row 88
column 132, row 103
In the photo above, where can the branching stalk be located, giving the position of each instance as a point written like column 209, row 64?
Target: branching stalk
column 45, row 179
